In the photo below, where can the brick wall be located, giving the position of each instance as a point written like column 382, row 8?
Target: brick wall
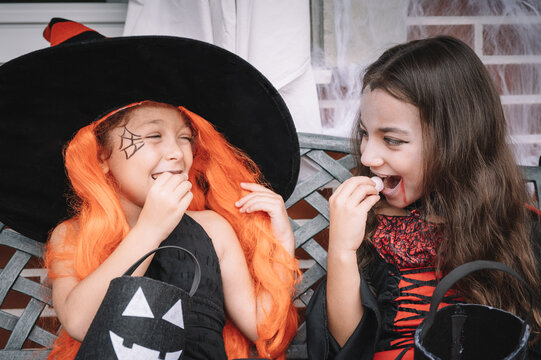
column 504, row 33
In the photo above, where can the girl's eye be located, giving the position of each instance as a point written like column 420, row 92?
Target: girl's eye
column 153, row 136
column 185, row 139
column 394, row 142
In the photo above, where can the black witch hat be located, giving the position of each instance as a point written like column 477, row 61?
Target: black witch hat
column 49, row 94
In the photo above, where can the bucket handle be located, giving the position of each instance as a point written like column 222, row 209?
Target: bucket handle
column 197, row 274
column 458, row 273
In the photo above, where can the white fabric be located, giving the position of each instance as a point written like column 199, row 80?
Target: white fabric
column 138, row 352
column 272, row 35
column 138, row 306
column 175, row 315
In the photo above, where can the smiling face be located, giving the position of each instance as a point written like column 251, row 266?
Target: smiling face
column 392, row 145
column 153, row 141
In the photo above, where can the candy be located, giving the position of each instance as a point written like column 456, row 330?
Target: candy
column 378, row 181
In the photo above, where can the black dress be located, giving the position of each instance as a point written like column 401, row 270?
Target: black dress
column 205, row 322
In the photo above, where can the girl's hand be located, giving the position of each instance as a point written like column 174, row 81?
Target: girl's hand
column 166, row 203
column 263, row 199
column 348, row 207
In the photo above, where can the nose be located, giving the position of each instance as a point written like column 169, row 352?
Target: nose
column 370, row 154
column 173, row 151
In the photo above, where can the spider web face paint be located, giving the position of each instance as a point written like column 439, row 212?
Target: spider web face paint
column 130, row 143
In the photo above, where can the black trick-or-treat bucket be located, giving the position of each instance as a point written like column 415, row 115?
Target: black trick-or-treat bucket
column 140, row 318
column 471, row 331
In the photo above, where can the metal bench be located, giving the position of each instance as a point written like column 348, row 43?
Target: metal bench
column 29, row 338
column 24, row 326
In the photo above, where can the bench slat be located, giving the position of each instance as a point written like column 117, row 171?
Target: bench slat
column 24, row 325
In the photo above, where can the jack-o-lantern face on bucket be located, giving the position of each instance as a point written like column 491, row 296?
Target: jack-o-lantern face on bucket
column 139, row 318
column 138, row 310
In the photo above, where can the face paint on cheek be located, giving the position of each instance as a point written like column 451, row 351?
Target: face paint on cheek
column 403, row 188
column 130, row 143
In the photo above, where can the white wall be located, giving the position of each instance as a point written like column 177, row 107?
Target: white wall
column 21, row 25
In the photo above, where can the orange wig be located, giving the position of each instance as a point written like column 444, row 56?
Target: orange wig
column 216, row 173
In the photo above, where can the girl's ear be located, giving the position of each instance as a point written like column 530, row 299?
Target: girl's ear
column 104, row 164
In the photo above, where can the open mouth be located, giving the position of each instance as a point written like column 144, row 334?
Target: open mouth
column 139, row 352
column 386, row 182
column 391, row 182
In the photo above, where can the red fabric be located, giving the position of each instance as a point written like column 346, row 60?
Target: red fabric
column 407, row 241
column 62, row 31
column 411, row 244
column 414, row 290
column 393, row 354
column 534, row 209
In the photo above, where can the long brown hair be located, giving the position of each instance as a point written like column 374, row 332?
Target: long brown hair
column 471, row 178
column 216, row 173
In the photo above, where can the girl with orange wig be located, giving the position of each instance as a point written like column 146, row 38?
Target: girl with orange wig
column 151, row 172
column 116, row 213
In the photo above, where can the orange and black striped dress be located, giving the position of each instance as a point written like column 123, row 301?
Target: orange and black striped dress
column 408, row 244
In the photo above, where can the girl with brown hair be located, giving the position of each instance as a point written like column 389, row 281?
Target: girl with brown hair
column 432, row 128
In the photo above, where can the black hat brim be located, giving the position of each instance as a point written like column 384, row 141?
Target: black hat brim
column 47, row 95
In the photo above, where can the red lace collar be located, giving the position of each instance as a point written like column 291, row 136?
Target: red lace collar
column 407, row 241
